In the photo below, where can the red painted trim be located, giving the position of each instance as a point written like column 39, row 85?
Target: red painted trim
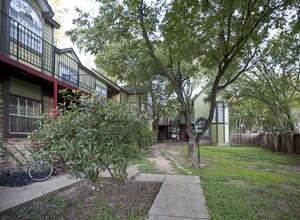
column 55, row 99
column 35, row 72
column 24, row 67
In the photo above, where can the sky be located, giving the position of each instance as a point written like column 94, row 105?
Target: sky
column 66, row 24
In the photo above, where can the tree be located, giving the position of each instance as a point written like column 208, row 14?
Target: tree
column 270, row 93
column 91, row 136
column 123, row 61
column 222, row 36
column 163, row 101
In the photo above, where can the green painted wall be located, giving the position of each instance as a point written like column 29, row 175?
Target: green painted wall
column 219, row 133
column 132, row 98
column 37, row 7
column 47, row 29
column 48, row 33
column 24, row 89
column 213, row 133
column 221, row 138
column 201, row 109
column 123, row 98
column 101, row 84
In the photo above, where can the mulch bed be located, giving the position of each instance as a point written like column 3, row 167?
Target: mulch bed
column 105, row 199
column 15, row 178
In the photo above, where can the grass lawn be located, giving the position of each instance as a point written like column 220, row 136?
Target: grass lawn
column 249, row 182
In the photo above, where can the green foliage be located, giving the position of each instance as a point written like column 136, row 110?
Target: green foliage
column 267, row 98
column 91, row 136
column 174, row 38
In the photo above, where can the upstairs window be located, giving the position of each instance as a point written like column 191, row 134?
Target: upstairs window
column 30, row 28
column 68, row 75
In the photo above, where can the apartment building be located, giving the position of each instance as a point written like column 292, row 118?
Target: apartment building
column 33, row 70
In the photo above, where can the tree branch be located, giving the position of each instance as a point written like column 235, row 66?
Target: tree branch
column 148, row 42
column 245, row 68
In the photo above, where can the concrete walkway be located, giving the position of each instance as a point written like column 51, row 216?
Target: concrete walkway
column 11, row 197
column 180, row 197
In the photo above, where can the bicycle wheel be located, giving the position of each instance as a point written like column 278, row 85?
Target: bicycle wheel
column 40, row 170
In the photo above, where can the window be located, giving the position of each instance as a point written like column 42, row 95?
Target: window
column 100, row 91
column 68, row 75
column 215, row 116
column 226, row 114
column 23, row 115
column 30, row 28
column 221, row 113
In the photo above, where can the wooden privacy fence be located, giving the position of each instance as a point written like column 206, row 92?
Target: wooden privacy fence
column 242, row 139
column 289, row 143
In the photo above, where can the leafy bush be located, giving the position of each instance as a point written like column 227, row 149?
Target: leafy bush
column 92, row 136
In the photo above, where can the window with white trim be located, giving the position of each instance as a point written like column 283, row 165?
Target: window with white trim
column 68, row 75
column 23, row 115
column 30, row 28
column 221, row 114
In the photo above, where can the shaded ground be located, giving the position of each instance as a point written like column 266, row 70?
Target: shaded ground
column 102, row 200
column 161, row 162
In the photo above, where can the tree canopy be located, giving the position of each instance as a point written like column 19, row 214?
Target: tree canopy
column 269, row 95
column 223, row 37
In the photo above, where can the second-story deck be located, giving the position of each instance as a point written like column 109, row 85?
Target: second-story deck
column 31, row 54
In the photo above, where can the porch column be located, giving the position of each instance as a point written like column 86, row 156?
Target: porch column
column 55, row 99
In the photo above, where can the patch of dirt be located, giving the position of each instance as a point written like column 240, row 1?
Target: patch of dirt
column 160, row 161
column 106, row 199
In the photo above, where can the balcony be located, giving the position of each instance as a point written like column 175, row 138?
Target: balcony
column 25, row 47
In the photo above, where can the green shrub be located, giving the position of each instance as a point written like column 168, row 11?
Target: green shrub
column 91, row 136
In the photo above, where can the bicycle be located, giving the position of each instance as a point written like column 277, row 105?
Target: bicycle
column 41, row 170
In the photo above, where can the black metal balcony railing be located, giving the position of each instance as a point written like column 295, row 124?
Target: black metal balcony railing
column 21, row 44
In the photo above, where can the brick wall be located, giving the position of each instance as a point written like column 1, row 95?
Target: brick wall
column 48, row 104
column 15, row 154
